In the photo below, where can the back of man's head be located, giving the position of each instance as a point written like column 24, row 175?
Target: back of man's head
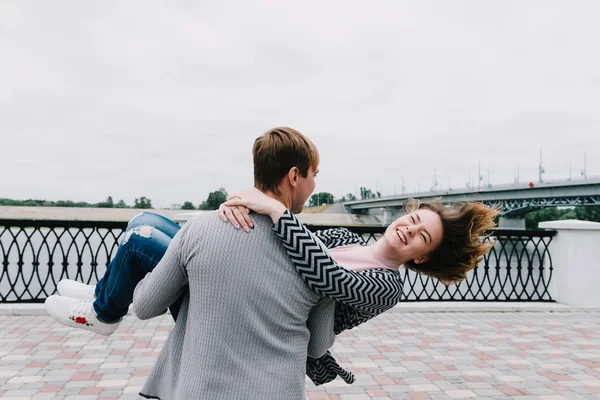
column 276, row 152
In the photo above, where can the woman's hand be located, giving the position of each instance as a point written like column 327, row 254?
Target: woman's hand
column 257, row 201
column 238, row 216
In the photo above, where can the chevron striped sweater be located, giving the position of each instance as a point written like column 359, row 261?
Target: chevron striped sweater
column 359, row 295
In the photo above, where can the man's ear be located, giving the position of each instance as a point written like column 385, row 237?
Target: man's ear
column 293, row 176
column 421, row 260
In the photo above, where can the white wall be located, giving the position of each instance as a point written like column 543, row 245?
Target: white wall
column 575, row 252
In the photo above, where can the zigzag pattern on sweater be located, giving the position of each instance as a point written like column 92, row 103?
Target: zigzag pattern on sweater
column 360, row 295
column 337, row 237
column 325, row 369
column 372, row 291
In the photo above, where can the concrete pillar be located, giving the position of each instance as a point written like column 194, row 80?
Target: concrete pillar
column 388, row 214
column 575, row 252
column 511, row 223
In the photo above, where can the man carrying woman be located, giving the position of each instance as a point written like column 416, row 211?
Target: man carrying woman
column 242, row 300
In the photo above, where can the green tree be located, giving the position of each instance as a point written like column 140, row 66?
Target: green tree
column 10, row 202
column 64, row 203
column 121, row 204
column 143, row 202
column 545, row 214
column 107, row 204
column 321, row 198
column 350, row 197
column 588, row 213
column 214, row 200
column 188, row 206
column 368, row 193
column 34, row 203
column 568, row 214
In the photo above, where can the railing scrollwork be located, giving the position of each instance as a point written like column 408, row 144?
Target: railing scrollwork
column 36, row 255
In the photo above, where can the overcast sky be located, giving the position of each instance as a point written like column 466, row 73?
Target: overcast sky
column 164, row 99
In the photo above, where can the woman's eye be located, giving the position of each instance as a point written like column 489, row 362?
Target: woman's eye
column 412, row 219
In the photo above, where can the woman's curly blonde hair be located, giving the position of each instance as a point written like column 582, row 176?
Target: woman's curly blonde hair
column 462, row 246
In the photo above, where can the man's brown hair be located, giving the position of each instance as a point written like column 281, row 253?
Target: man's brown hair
column 463, row 245
column 276, row 152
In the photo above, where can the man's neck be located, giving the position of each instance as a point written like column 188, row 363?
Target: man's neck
column 280, row 197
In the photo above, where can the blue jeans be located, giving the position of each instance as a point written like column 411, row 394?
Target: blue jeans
column 145, row 242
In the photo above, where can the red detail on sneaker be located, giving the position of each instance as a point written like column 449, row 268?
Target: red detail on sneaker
column 81, row 320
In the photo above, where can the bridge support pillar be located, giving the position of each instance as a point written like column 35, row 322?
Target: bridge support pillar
column 576, row 261
column 511, row 223
column 388, row 215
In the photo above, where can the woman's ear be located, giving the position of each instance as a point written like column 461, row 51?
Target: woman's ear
column 448, row 282
column 421, row 260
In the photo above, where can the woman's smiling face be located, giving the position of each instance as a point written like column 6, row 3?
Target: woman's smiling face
column 413, row 236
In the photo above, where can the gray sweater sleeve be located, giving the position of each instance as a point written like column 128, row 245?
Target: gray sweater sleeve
column 161, row 287
column 320, row 325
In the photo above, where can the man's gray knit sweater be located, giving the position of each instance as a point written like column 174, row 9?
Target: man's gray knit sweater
column 242, row 329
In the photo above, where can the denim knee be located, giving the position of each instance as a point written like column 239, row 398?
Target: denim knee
column 143, row 218
column 157, row 221
column 146, row 245
column 137, row 231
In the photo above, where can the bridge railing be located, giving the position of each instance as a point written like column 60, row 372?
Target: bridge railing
column 36, row 255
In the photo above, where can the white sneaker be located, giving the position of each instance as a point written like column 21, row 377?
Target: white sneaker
column 76, row 290
column 77, row 314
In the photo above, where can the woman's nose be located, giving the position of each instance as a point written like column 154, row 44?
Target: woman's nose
column 409, row 230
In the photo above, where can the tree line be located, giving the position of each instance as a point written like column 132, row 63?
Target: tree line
column 319, row 199
column 587, row 213
column 215, row 198
column 212, row 202
column 142, row 202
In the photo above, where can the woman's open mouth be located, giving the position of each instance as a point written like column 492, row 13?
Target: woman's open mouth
column 402, row 237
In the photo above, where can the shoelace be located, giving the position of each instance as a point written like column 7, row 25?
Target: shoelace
column 84, row 308
column 88, row 289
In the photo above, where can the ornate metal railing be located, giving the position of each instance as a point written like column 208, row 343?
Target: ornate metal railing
column 518, row 268
column 36, row 255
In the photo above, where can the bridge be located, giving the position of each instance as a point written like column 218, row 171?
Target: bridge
column 515, row 201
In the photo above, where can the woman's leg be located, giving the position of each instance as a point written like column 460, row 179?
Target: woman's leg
column 133, row 260
column 165, row 225
column 161, row 223
column 140, row 250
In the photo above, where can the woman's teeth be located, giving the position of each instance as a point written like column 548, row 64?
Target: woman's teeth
column 402, row 237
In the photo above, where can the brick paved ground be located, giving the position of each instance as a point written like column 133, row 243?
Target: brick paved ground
column 399, row 355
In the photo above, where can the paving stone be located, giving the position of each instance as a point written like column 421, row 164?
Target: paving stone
column 20, row 393
column 45, row 396
column 408, row 355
